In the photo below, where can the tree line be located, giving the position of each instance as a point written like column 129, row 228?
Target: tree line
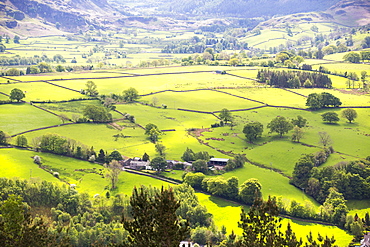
column 294, row 79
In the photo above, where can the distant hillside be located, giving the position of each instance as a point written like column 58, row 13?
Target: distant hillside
column 30, row 17
column 239, row 8
column 349, row 13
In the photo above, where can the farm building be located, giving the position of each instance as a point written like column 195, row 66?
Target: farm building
column 218, row 162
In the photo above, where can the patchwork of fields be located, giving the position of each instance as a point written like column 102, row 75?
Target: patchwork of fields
column 193, row 97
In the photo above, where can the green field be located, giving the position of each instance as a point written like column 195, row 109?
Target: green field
column 16, row 118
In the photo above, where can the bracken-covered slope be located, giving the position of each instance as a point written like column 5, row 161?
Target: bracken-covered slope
column 240, row 8
column 351, row 12
column 32, row 17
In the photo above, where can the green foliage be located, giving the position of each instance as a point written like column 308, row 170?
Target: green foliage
column 159, row 164
column 3, row 138
column 130, row 95
column 280, row 125
column 250, row 190
column 253, row 131
column 261, row 226
column 154, row 220
column 297, row 134
column 225, row 115
column 330, row 117
column 97, row 114
column 16, row 94
column 91, row 89
column 317, row 101
column 114, row 169
column 349, row 114
column 153, row 132
column 200, row 166
column 160, row 148
column 21, row 141
column 194, row 179
column 293, row 79
column 302, row 171
column 299, row 122
column 115, row 155
column 352, row 57
column 18, row 228
column 188, row 155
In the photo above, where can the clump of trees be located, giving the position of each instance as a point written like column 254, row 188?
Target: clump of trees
column 317, row 101
column 97, row 114
column 293, row 79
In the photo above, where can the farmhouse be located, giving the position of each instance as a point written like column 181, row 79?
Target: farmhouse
column 136, row 164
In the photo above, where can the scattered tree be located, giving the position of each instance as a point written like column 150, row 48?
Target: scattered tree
column 130, row 95
column 16, row 94
column 324, row 139
column 349, row 114
column 280, row 125
column 114, row 169
column 91, row 89
column 299, row 122
column 297, row 134
column 330, row 117
column 253, row 131
column 160, row 148
column 225, row 115
column 153, row 132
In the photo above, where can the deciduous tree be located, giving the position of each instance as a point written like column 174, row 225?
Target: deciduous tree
column 330, row 117
column 91, row 89
column 349, row 114
column 280, row 125
column 114, row 169
column 130, row 95
column 16, row 94
column 225, row 115
column 253, row 131
column 250, row 190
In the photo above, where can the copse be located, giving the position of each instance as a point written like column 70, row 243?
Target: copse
column 317, row 101
column 294, row 79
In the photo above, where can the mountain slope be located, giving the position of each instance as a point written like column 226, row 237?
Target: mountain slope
column 29, row 17
column 351, row 12
column 240, row 8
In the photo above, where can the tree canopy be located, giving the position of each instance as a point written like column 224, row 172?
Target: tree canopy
column 349, row 114
column 97, row 114
column 280, row 125
column 17, row 94
column 130, row 95
column 253, row 131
